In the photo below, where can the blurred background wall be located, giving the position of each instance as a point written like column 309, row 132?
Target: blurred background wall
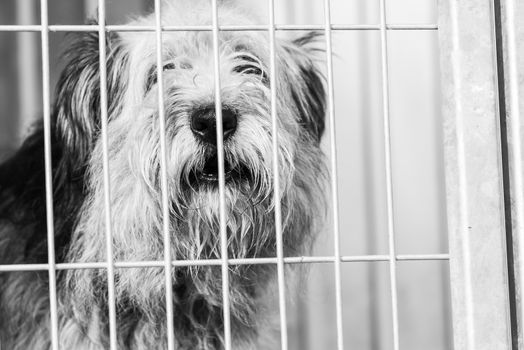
column 423, row 287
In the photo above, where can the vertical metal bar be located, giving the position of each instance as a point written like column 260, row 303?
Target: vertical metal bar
column 49, row 174
column 163, row 175
column 389, row 180
column 366, row 100
column 468, row 281
column 473, row 176
column 107, row 194
column 513, row 34
column 505, row 167
column 221, row 180
column 276, row 180
column 334, row 171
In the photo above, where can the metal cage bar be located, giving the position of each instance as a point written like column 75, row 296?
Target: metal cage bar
column 389, row 179
column 163, row 174
column 474, row 179
column 221, row 180
column 49, row 175
column 175, row 28
column 276, row 179
column 107, row 195
column 513, row 50
column 334, row 173
column 217, row 262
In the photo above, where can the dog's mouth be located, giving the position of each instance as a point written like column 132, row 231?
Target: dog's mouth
column 209, row 174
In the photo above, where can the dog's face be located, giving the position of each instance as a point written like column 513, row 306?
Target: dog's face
column 191, row 119
column 189, row 93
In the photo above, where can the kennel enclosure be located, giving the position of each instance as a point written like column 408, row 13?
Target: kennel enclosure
column 481, row 54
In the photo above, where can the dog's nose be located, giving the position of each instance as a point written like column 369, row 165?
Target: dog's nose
column 203, row 124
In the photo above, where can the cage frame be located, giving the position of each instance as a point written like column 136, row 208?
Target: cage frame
column 512, row 50
column 392, row 258
column 483, row 170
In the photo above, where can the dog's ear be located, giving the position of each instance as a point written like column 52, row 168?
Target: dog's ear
column 77, row 103
column 310, row 98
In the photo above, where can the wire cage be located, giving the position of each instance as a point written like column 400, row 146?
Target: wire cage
column 399, row 98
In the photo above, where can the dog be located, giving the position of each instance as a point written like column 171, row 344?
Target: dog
column 135, row 186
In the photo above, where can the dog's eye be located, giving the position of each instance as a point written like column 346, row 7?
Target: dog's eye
column 152, row 74
column 248, row 69
column 248, row 65
column 169, row 66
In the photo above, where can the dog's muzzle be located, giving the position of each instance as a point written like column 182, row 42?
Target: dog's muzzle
column 204, row 127
column 204, row 124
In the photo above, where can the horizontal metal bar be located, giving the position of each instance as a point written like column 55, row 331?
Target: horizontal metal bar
column 281, row 27
column 412, row 257
column 218, row 262
column 24, row 267
column 412, row 26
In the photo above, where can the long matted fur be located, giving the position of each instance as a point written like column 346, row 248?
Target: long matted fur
column 134, row 168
